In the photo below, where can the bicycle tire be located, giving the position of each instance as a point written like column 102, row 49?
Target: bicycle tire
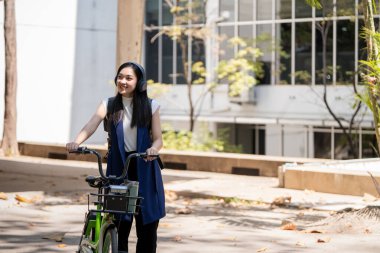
column 110, row 241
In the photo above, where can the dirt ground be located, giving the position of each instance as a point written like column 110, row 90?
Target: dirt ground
column 46, row 213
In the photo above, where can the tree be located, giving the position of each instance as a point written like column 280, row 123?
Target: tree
column 238, row 71
column 9, row 144
column 372, row 75
column 324, row 28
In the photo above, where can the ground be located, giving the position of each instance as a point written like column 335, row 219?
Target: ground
column 195, row 222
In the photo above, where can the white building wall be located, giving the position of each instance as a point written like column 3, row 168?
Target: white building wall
column 66, row 59
column 273, row 140
column 295, row 141
column 283, row 104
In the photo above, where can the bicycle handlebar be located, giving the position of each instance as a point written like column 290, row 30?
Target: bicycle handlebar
column 85, row 150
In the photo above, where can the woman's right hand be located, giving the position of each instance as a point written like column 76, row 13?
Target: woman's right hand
column 72, row 146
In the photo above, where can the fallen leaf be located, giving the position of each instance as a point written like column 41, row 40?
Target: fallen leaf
column 300, row 214
column 185, row 210
column 289, row 226
column 3, row 196
column 23, row 199
column 164, row 225
column 323, row 240
column 230, row 238
column 177, row 238
column 281, row 201
column 58, row 237
column 61, row 245
column 314, row 231
column 170, row 195
column 262, row 249
column 284, row 222
column 187, row 202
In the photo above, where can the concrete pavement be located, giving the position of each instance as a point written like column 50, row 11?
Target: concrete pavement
column 205, row 212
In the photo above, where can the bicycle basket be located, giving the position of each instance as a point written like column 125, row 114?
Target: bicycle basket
column 122, row 198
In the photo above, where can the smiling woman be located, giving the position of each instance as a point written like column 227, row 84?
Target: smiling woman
column 132, row 121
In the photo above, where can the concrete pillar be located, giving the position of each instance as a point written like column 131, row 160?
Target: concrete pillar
column 130, row 28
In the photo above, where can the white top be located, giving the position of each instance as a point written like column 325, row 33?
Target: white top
column 130, row 134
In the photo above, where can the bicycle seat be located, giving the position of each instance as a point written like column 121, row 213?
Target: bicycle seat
column 95, row 182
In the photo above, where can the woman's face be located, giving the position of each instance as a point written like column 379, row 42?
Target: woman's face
column 126, row 82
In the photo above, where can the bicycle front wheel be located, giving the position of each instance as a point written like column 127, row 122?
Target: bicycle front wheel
column 110, row 241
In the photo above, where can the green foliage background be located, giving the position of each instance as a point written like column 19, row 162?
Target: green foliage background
column 203, row 140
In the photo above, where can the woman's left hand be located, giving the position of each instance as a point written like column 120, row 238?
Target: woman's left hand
column 151, row 151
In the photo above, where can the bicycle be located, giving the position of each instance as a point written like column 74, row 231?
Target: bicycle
column 99, row 233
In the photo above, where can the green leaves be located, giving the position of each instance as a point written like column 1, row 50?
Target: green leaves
column 202, row 141
column 314, row 3
column 241, row 71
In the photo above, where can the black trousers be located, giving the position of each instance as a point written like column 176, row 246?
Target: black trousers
column 146, row 234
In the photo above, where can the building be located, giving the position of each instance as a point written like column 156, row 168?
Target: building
column 284, row 114
column 67, row 54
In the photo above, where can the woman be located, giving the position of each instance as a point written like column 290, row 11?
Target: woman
column 133, row 123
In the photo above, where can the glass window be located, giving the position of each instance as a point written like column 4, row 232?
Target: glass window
column 345, row 58
column 245, row 32
column 264, row 43
column 226, row 49
column 151, row 56
column 180, row 76
column 320, row 77
column 369, row 145
column 345, row 7
column 264, row 9
column 327, row 10
column 198, row 10
column 198, row 54
column 283, row 9
column 167, row 17
column 342, row 149
column 303, row 10
column 322, row 145
column 258, row 140
column 245, row 10
column 151, row 13
column 167, row 60
column 303, row 53
column 283, row 53
column 362, row 48
column 227, row 10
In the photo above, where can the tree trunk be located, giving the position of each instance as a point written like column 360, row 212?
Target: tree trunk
column 9, row 144
column 324, row 27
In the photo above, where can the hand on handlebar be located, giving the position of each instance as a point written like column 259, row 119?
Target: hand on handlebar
column 72, row 146
column 151, row 154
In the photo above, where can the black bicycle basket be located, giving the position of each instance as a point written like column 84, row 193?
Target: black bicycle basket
column 120, row 198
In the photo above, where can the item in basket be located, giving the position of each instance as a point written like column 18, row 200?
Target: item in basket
column 121, row 189
column 133, row 187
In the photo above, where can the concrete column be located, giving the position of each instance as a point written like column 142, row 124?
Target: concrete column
column 130, row 28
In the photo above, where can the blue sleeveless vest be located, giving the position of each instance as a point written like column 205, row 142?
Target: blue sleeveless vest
column 151, row 187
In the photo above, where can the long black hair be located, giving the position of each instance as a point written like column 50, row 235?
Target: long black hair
column 142, row 110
